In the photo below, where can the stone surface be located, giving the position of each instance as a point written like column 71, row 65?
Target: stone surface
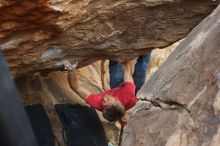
column 158, row 56
column 185, row 94
column 37, row 35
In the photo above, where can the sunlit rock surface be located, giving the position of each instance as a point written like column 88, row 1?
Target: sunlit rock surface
column 158, row 56
column 185, row 94
column 37, row 35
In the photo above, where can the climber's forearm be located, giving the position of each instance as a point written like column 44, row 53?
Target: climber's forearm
column 83, row 93
column 74, row 85
column 73, row 82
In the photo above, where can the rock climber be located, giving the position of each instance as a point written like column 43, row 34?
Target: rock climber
column 116, row 72
column 121, row 97
column 114, row 102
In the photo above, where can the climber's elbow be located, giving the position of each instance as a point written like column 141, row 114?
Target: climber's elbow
column 83, row 93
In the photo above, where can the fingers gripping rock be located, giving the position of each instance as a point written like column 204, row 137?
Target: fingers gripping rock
column 68, row 66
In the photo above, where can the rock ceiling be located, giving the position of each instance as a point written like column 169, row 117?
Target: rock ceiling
column 37, row 35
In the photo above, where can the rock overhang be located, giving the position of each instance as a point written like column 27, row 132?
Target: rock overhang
column 38, row 35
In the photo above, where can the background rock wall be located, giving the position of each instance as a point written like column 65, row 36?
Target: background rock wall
column 53, row 88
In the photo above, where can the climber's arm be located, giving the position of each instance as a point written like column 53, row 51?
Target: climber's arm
column 72, row 79
column 74, row 85
column 128, row 72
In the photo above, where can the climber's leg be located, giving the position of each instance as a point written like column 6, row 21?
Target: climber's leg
column 116, row 72
column 140, row 70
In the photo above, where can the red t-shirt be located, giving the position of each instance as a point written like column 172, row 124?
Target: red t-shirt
column 125, row 94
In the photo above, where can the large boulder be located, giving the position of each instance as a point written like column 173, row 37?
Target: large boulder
column 37, row 35
column 185, row 92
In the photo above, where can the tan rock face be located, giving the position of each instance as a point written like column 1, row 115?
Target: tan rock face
column 158, row 57
column 185, row 94
column 37, row 35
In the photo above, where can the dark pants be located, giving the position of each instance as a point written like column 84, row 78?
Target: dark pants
column 116, row 72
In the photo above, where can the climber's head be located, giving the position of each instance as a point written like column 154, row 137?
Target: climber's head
column 113, row 110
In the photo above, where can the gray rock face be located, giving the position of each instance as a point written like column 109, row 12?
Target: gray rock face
column 37, row 35
column 185, row 92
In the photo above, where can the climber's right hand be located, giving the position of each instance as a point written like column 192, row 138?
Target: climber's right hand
column 69, row 67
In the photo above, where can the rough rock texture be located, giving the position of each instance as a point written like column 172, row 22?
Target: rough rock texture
column 158, row 57
column 36, row 35
column 185, row 94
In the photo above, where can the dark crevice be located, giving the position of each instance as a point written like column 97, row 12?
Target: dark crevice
column 169, row 105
